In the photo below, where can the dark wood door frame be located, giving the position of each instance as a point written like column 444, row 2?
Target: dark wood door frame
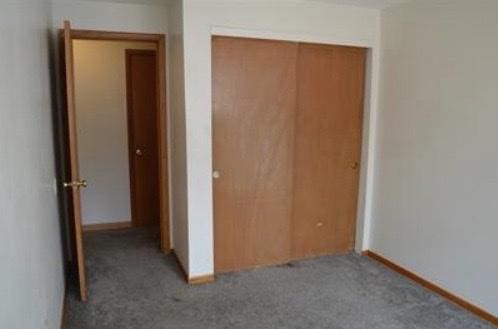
column 160, row 41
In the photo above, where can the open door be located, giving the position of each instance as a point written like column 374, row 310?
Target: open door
column 75, row 183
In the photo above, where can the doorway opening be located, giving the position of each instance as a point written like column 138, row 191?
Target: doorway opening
column 115, row 136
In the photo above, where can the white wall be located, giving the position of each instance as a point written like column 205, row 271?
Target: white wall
column 178, row 165
column 31, row 267
column 436, row 180
column 110, row 16
column 102, row 129
column 293, row 20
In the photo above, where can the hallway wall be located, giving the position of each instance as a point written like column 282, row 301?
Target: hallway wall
column 31, row 268
column 102, row 128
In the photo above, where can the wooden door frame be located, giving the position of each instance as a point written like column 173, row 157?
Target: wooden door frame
column 160, row 41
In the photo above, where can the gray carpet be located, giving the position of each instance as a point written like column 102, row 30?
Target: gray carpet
column 133, row 285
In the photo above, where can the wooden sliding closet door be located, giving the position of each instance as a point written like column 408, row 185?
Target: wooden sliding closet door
column 254, row 88
column 327, row 149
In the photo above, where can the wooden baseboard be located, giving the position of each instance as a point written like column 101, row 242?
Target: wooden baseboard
column 193, row 280
column 202, row 279
column 476, row 310
column 106, row 226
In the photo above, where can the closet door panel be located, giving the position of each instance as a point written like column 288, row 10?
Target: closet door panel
column 254, row 102
column 327, row 149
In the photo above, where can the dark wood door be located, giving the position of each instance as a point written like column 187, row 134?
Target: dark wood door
column 141, row 75
column 254, row 88
column 74, row 182
column 327, row 149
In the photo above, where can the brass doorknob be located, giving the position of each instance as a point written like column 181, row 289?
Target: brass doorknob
column 80, row 183
column 355, row 165
column 138, row 152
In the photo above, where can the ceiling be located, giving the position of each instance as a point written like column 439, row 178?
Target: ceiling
column 378, row 4
column 141, row 2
